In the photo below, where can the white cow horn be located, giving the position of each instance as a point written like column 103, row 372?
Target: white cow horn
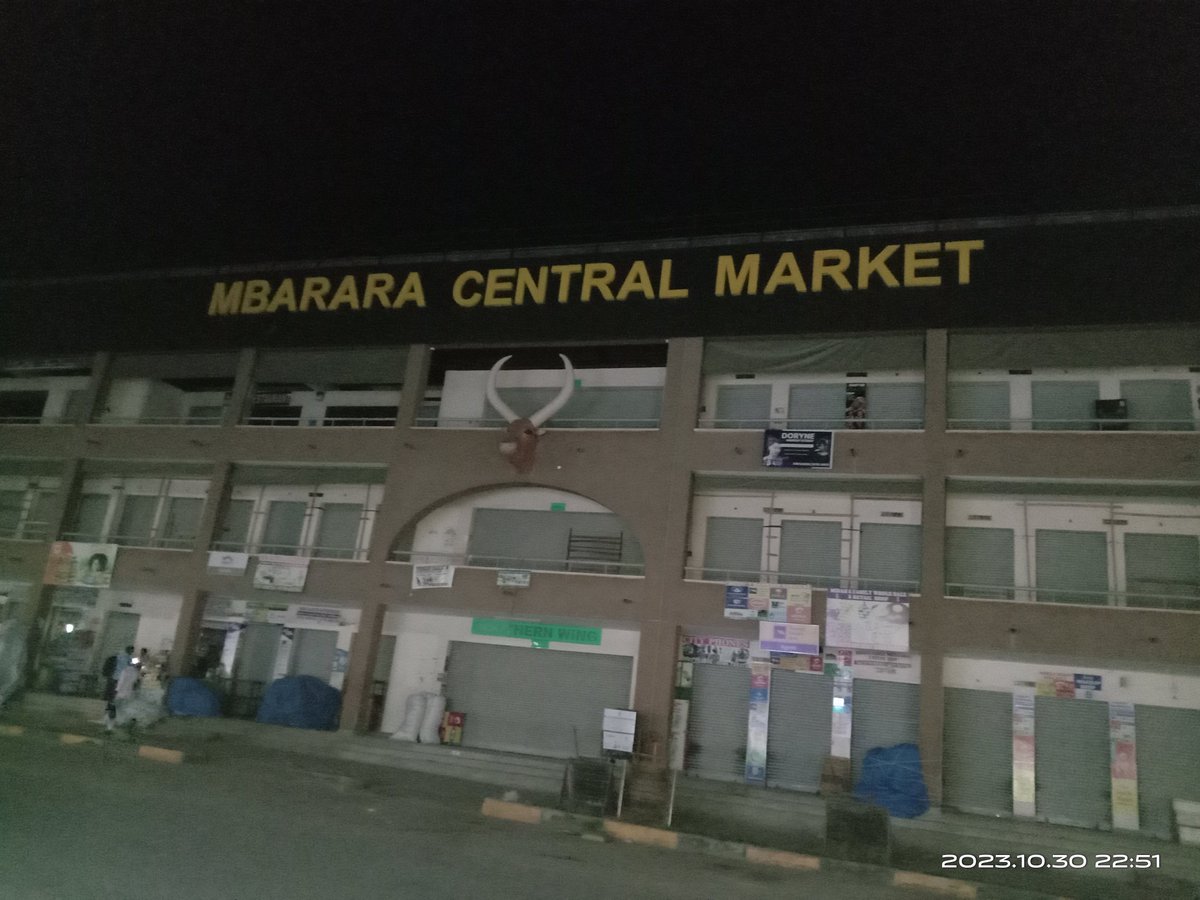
column 540, row 417
column 494, row 398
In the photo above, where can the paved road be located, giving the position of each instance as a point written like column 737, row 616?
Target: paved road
column 84, row 822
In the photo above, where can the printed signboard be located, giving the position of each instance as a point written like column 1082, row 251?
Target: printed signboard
column 797, row 449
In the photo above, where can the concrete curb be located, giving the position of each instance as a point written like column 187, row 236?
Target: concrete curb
column 627, row 832
column 70, row 739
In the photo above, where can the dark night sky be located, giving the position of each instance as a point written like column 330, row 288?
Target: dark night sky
column 150, row 134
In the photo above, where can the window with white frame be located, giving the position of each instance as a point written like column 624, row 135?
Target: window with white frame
column 827, row 539
column 357, row 387
column 1102, row 551
column 138, row 512
column 43, row 391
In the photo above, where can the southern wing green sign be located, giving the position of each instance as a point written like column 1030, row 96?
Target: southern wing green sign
column 541, row 633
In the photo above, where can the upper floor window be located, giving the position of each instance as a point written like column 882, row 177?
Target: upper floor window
column 138, row 510
column 28, row 489
column 43, row 391
column 611, row 386
column 348, row 388
column 1127, row 380
column 872, row 382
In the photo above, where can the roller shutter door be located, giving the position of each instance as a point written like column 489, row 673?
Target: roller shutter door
column 257, row 652
column 798, row 729
column 885, row 714
column 313, row 653
column 1168, row 761
column 977, row 754
column 717, row 722
column 743, row 406
column 542, row 702
column 1073, row 773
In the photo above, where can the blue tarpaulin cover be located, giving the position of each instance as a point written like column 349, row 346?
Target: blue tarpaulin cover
column 191, row 697
column 301, row 701
column 891, row 777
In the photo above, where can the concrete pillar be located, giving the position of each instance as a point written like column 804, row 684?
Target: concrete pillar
column 929, row 628
column 356, row 690
column 243, row 389
column 97, row 388
column 665, row 551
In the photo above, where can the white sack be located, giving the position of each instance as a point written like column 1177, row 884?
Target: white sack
column 414, row 712
column 433, row 719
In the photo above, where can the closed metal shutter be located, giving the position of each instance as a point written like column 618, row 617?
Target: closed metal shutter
column 889, row 557
column 816, row 406
column 285, row 523
column 885, row 713
column 982, row 405
column 718, row 718
column 977, row 753
column 1064, row 405
column 313, row 652
column 257, row 651
column 810, row 553
column 798, row 730
column 1074, row 781
column 891, row 406
column 337, row 536
column 979, row 562
column 1072, row 566
column 1168, row 763
column 732, row 548
column 1162, row 564
column 743, row 406
column 542, row 702
column 137, row 519
column 1159, row 405
column 90, row 513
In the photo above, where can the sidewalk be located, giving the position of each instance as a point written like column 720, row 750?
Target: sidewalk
column 712, row 817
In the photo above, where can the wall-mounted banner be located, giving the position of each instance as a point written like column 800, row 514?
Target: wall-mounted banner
column 432, row 576
column 324, row 615
column 796, row 662
column 618, row 730
column 770, row 602
column 963, row 276
column 540, row 633
column 797, row 449
column 222, row 563
column 281, row 573
column 886, row 665
column 512, row 578
column 870, row 620
column 756, row 726
column 1069, row 685
column 782, row 637
column 1122, row 734
column 1024, row 751
column 72, row 564
column 722, row 651
column 263, row 612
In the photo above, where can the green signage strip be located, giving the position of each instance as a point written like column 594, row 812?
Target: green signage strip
column 541, row 633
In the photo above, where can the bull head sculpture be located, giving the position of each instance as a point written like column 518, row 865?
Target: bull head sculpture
column 522, row 434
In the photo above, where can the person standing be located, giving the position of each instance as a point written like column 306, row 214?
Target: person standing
column 121, row 662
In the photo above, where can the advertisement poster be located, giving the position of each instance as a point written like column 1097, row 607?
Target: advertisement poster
column 1023, row 751
column 756, row 731
column 886, row 665
column 222, row 563
column 678, row 738
column 432, row 576
column 72, row 564
column 797, row 449
column 770, row 602
column 512, row 578
column 795, row 662
column 618, row 729
column 281, row 573
column 721, row 651
column 782, row 637
column 324, row 615
column 1122, row 733
column 870, row 620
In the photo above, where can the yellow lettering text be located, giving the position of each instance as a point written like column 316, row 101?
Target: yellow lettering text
column 346, row 295
column 412, row 291
column 315, row 289
column 378, row 285
column 638, row 280
column 499, row 284
column 467, row 300
column 285, row 295
column 787, row 271
column 869, row 265
column 564, row 273
column 833, row 263
column 599, row 276
column 256, row 296
column 736, row 280
column 535, row 289
column 964, row 248
column 913, row 263
column 665, row 291
column 226, row 301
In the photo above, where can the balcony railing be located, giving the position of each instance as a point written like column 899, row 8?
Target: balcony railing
column 198, row 421
column 632, row 424
column 134, row 540
column 992, row 423
column 759, row 424
column 1187, row 598
column 521, row 563
column 28, row 531
column 325, row 422
column 739, row 576
column 351, row 553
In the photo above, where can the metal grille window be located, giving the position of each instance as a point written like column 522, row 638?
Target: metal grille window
column 183, row 521
column 1072, row 566
column 816, row 406
column 892, row 406
column 1162, row 570
column 1168, row 758
column 90, row 514
column 978, row 405
column 743, row 406
column 977, row 753
column 285, row 524
column 337, row 534
column 1072, row 762
column 541, row 539
column 979, row 562
column 1159, row 404
column 235, row 527
column 137, row 520
column 798, row 729
column 717, row 722
column 810, row 553
column 732, row 548
column 1064, row 405
column 889, row 557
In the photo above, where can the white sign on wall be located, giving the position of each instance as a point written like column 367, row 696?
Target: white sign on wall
column 867, row 620
column 222, row 563
column 281, row 573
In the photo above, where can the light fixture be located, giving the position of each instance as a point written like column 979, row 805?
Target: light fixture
column 68, row 628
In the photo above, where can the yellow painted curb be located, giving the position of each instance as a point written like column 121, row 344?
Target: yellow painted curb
column 782, row 858
column 77, row 739
column 12, row 730
column 513, row 812
column 641, row 834
column 948, row 886
column 160, row 754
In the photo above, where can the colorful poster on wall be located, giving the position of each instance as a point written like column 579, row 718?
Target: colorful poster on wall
column 722, row 651
column 756, row 730
column 71, row 564
column 870, row 620
column 887, row 665
column 222, row 563
column 770, row 602
column 797, row 449
column 1024, row 751
column 281, row 573
column 1122, row 734
column 796, row 662
column 783, row 637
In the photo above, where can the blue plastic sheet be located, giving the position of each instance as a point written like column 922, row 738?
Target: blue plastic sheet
column 891, row 777
column 191, row 697
column 301, row 701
